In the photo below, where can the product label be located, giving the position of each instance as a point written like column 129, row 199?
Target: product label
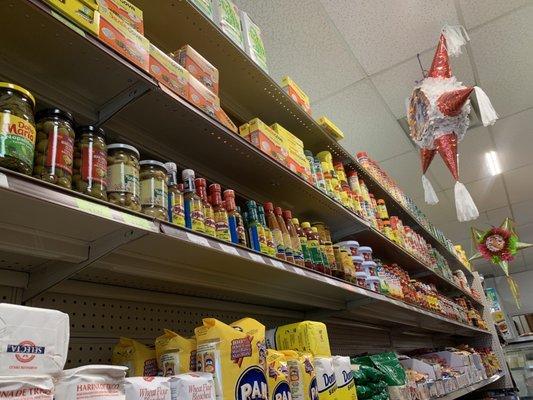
column 210, row 226
column 232, row 223
column 197, row 216
column 252, row 385
column 231, row 23
column 222, row 230
column 262, row 240
column 17, row 138
column 93, row 165
column 208, row 360
column 254, row 238
column 170, row 363
column 154, row 193
column 278, row 243
column 177, row 211
column 241, row 232
column 314, row 251
column 60, row 150
column 123, row 178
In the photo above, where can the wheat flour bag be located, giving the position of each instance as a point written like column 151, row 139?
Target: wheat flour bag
column 325, row 378
column 150, row 388
column 33, row 341
column 37, row 387
column 91, row 382
column 194, row 386
column 175, row 354
column 344, row 377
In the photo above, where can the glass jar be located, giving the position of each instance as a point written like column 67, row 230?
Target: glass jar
column 90, row 162
column 123, row 176
column 154, row 190
column 17, row 128
column 54, row 150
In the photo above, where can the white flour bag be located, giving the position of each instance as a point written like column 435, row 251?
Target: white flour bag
column 150, row 388
column 91, row 382
column 26, row 388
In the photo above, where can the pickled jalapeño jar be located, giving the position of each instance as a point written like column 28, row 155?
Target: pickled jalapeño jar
column 123, row 176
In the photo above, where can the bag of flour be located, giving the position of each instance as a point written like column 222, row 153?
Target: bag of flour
column 94, row 382
column 344, row 377
column 26, row 388
column 194, row 386
column 150, row 388
column 325, row 376
column 32, row 340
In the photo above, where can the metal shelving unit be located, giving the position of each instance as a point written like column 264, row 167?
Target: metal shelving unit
column 469, row 389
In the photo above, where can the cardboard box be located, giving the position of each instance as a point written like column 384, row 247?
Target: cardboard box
column 330, row 128
column 126, row 11
column 297, row 94
column 168, row 72
column 223, row 118
column 440, row 388
column 433, row 371
column 253, row 42
column 198, row 66
column 123, row 39
column 205, row 6
column 453, row 359
column 463, row 380
column 288, row 136
column 202, row 97
column 226, row 15
column 264, row 138
column 83, row 13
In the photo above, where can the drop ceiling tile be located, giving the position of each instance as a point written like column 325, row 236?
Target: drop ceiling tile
column 456, row 231
column 383, row 33
column 440, row 213
column 488, row 193
column 497, row 216
column 397, row 83
column 302, row 42
column 476, row 12
column 523, row 212
column 503, row 55
column 519, row 184
column 367, row 124
column 513, row 137
column 471, row 159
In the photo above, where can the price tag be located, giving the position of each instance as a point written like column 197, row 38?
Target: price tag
column 137, row 222
column 229, row 249
column 3, row 181
column 198, row 240
column 277, row 264
column 93, row 208
column 299, row 271
column 331, row 281
column 257, row 258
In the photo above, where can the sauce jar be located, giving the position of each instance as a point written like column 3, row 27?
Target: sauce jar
column 365, row 252
column 123, row 176
column 358, row 263
column 90, row 162
column 54, row 150
column 370, row 268
column 17, row 128
column 350, row 245
column 360, row 279
column 154, row 189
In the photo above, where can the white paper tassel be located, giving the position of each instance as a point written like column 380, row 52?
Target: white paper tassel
column 488, row 113
column 429, row 193
column 456, row 37
column 464, row 205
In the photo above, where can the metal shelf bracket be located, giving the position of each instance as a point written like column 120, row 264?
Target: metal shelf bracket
column 52, row 273
column 117, row 103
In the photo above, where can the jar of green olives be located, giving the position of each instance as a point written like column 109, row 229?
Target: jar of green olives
column 90, row 162
column 54, row 151
column 123, row 176
column 17, row 128
column 154, row 190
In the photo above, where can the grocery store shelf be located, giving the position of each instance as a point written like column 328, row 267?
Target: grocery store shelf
column 58, row 229
column 469, row 389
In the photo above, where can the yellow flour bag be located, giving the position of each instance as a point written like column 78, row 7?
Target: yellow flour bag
column 235, row 356
column 140, row 359
column 302, row 377
column 277, row 376
column 307, row 336
column 175, row 354
column 325, row 377
column 344, row 377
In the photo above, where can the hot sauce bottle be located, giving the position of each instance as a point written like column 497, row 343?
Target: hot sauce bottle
column 289, row 253
column 322, row 251
column 274, row 227
column 192, row 204
column 303, row 242
column 271, row 248
column 313, row 245
column 221, row 215
column 295, row 240
column 255, row 230
column 176, row 212
column 235, row 220
column 209, row 216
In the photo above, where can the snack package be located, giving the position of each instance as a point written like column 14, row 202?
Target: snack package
column 138, row 358
column 168, row 72
column 305, row 336
column 175, row 354
column 198, row 67
column 32, row 340
column 297, row 94
column 265, row 138
column 202, row 97
column 150, row 388
column 127, row 12
column 344, row 377
column 235, row 355
column 194, row 386
column 204, row 6
column 82, row 12
column 96, row 382
column 302, row 378
column 330, row 128
column 226, row 16
column 277, row 376
column 253, row 42
column 325, row 376
column 36, row 387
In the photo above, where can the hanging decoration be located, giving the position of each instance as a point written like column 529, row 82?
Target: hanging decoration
column 437, row 114
column 499, row 245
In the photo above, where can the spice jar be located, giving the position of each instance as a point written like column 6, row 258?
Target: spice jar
column 17, row 128
column 154, row 190
column 90, row 162
column 123, row 176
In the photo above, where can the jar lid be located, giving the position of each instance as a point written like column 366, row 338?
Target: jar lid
column 360, row 274
column 348, row 243
column 373, row 278
column 153, row 163
column 369, row 264
column 91, row 129
column 19, row 89
column 124, row 147
column 358, row 259
column 55, row 113
column 364, row 249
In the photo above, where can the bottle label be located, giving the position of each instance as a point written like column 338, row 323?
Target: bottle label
column 278, row 243
column 232, row 223
column 176, row 210
column 241, row 233
column 154, row 193
column 262, row 240
column 187, row 211
column 123, row 178
column 60, row 151
column 222, row 230
column 197, row 217
column 93, row 165
column 314, row 251
column 210, row 226
column 305, row 251
column 17, row 138
column 254, row 238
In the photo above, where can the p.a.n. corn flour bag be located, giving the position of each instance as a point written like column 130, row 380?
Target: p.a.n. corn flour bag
column 26, row 387
column 91, row 382
column 139, row 358
column 175, row 354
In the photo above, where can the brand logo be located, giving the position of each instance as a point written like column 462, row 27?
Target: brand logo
column 328, row 380
column 252, row 385
column 282, row 391
column 313, row 390
column 25, row 351
column 347, row 377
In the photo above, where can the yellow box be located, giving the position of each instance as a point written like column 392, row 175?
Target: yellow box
column 330, row 127
column 306, row 336
column 82, row 12
column 297, row 94
column 287, row 135
column 126, row 11
column 169, row 72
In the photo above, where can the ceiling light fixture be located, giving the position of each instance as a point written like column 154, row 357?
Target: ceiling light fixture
column 493, row 163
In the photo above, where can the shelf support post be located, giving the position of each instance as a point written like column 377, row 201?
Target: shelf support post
column 117, row 103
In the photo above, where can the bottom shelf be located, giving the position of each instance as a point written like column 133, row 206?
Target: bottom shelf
column 469, row 389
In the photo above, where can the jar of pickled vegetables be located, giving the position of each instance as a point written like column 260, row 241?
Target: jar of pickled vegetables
column 90, row 162
column 154, row 189
column 54, row 151
column 17, row 128
column 123, row 176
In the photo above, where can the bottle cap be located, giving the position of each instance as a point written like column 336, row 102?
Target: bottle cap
column 251, row 204
column 287, row 214
column 295, row 221
column 269, row 206
column 171, row 167
column 229, row 193
column 200, row 182
column 278, row 211
column 314, row 229
column 187, row 174
column 306, row 225
column 214, row 187
column 362, row 154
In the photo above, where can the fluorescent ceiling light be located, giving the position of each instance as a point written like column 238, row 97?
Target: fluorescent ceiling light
column 491, row 158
